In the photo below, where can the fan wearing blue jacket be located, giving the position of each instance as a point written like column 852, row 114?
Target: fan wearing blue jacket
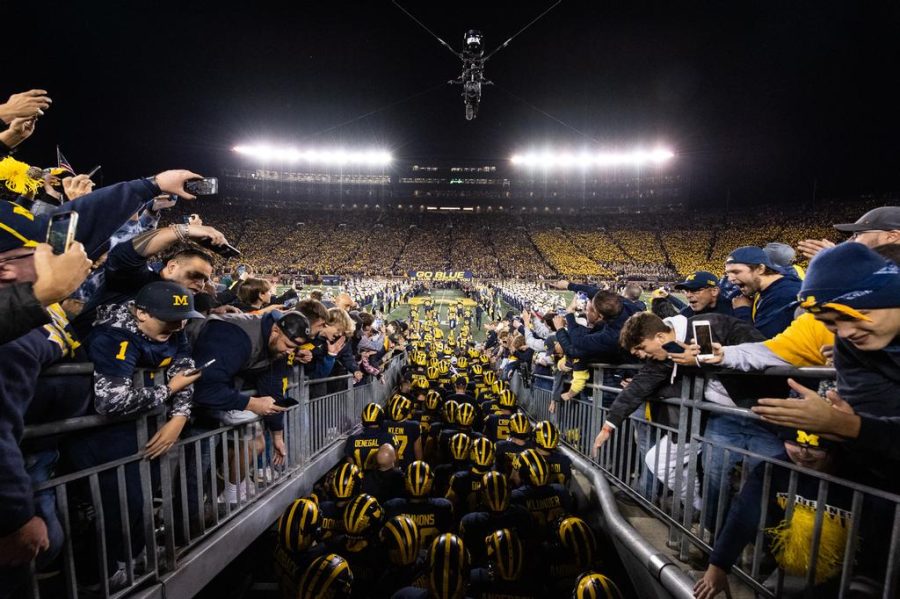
column 773, row 292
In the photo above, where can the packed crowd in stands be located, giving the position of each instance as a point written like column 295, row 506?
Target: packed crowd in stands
column 492, row 246
column 131, row 289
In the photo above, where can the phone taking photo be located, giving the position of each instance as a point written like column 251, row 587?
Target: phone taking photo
column 206, row 186
column 199, row 369
column 673, row 348
column 61, row 232
column 703, row 337
column 582, row 300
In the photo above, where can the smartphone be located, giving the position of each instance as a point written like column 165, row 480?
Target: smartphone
column 673, row 348
column 582, row 300
column 61, row 232
column 226, row 250
column 198, row 369
column 208, row 186
column 703, row 337
column 186, row 220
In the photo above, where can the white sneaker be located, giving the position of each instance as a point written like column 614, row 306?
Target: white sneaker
column 118, row 581
column 230, row 494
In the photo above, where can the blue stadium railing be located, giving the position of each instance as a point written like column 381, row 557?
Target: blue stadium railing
column 668, row 486
column 187, row 545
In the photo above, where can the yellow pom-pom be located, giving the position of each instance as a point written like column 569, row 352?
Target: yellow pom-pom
column 792, row 543
column 14, row 175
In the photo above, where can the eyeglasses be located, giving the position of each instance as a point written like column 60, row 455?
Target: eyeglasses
column 11, row 258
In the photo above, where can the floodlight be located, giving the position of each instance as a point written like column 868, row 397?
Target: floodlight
column 337, row 156
column 548, row 159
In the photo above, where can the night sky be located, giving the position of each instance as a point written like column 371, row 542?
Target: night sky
column 760, row 97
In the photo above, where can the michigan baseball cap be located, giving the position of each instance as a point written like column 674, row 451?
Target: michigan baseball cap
column 698, row 280
column 750, row 254
column 19, row 227
column 166, row 301
column 886, row 218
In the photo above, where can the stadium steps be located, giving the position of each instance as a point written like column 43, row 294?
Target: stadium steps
column 656, row 533
column 604, row 268
column 665, row 251
column 549, row 265
column 408, row 234
column 712, row 243
column 619, row 245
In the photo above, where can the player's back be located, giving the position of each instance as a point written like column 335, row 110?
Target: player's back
column 433, row 516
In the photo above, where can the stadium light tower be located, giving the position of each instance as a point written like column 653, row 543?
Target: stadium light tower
column 548, row 159
column 267, row 153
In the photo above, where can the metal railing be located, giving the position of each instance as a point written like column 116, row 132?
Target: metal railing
column 127, row 524
column 670, row 470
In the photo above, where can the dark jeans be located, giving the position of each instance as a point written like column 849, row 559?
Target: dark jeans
column 744, row 433
column 108, row 444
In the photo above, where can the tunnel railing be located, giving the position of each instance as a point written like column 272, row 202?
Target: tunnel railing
column 173, row 505
column 688, row 479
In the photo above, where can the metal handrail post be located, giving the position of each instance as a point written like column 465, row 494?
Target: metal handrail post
column 597, row 407
column 303, row 410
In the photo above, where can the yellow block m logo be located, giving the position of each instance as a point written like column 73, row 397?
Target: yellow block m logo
column 179, row 300
column 805, row 438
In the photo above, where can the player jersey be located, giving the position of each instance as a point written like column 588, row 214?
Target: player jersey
column 507, row 454
column 465, row 491
column 427, row 419
column 496, row 427
column 443, row 473
column 362, row 447
column 560, row 467
column 383, row 484
column 405, row 435
column 366, row 559
column 462, row 398
column 332, row 516
column 432, row 516
column 546, row 504
column 289, row 566
column 474, row 527
column 559, row 570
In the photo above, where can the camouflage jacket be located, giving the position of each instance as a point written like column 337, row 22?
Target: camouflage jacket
column 124, row 363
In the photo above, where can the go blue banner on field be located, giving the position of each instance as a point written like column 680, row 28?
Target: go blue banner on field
column 440, row 275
